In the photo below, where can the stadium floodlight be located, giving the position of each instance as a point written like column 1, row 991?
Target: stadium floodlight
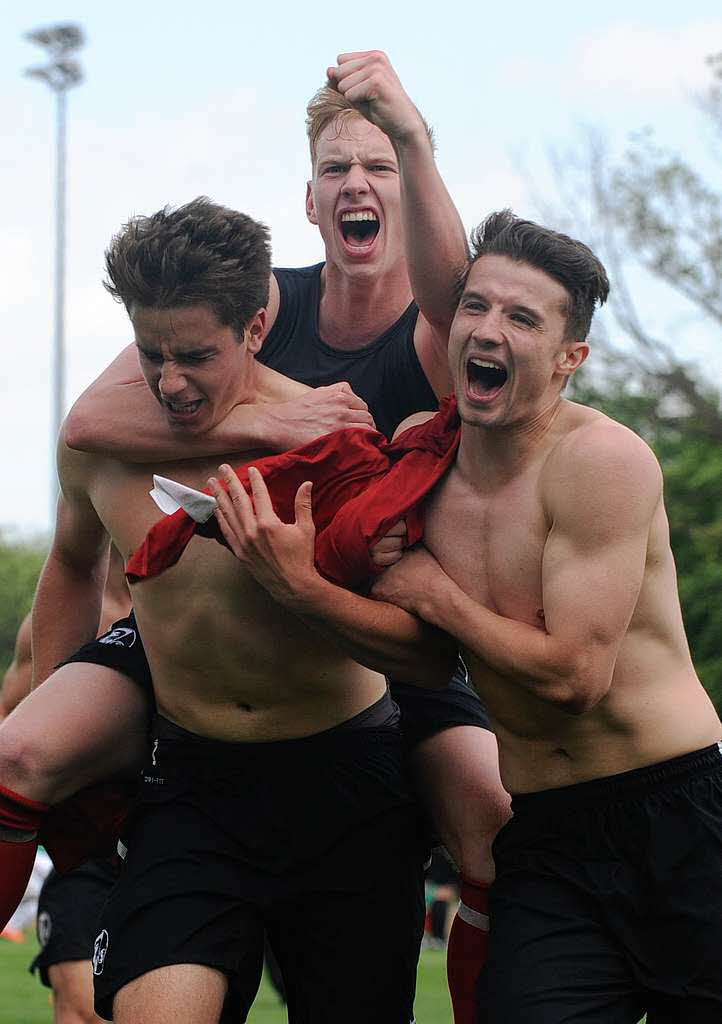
column 60, row 74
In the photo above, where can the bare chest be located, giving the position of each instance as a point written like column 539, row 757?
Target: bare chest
column 491, row 544
column 120, row 495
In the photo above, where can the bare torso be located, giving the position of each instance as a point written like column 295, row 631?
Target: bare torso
column 655, row 708
column 227, row 661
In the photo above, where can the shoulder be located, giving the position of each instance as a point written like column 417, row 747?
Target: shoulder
column 77, row 469
column 600, row 464
column 414, row 420
column 288, row 287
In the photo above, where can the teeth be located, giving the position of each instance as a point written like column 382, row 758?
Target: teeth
column 358, row 215
column 484, row 362
column 181, row 408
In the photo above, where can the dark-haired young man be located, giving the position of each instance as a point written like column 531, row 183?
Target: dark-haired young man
column 546, row 554
column 275, row 796
column 377, row 198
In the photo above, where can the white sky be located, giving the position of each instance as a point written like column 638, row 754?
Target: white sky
column 182, row 99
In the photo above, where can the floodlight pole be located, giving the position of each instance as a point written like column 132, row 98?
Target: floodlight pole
column 60, row 75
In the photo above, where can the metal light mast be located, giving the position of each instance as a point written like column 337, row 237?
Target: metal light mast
column 61, row 73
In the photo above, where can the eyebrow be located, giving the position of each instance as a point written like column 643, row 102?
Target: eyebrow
column 192, row 353
column 517, row 307
column 373, row 158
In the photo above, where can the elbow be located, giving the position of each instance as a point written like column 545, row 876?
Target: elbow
column 577, row 703
column 579, row 684
column 431, row 672
column 75, row 431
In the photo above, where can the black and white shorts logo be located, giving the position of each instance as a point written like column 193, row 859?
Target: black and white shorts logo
column 44, row 927
column 121, row 636
column 100, row 950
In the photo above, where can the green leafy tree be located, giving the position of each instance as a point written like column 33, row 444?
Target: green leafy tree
column 20, row 564
column 651, row 212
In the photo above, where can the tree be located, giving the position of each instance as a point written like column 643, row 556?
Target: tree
column 20, row 565
column 651, row 209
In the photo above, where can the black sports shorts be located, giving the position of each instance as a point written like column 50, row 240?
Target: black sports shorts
column 120, row 648
column 424, row 712
column 427, row 712
column 68, row 917
column 608, row 901
column 314, row 840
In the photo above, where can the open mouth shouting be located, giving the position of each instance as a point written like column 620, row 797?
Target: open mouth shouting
column 359, row 229
column 485, row 378
column 180, row 411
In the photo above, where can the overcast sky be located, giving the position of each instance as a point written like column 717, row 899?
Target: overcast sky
column 183, row 99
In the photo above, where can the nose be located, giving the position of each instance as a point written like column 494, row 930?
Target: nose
column 355, row 182
column 488, row 329
column 171, row 381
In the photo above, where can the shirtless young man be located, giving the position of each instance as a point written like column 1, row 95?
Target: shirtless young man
column 352, row 319
column 608, row 896
column 275, row 795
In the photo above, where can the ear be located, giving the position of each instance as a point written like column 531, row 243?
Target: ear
column 310, row 205
column 255, row 332
column 571, row 357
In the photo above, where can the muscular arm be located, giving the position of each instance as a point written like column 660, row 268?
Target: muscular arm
column 16, row 683
column 435, row 241
column 67, row 605
column 380, row 636
column 601, row 510
column 118, row 416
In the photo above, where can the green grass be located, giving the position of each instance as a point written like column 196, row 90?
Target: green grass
column 23, row 1000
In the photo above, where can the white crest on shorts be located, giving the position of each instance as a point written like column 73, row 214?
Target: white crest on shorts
column 44, row 926
column 121, row 636
column 100, row 950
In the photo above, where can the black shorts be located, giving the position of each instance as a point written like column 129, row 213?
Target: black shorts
column 427, row 712
column 314, row 840
column 608, row 901
column 68, row 918
column 120, row 648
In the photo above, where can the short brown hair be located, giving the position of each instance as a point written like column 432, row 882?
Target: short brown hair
column 329, row 105
column 568, row 261
column 198, row 254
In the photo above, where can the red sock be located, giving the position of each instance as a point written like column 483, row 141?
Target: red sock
column 468, row 948
column 17, row 814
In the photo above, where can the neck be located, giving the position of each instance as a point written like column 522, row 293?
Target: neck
column 270, row 387
column 356, row 309
column 492, row 455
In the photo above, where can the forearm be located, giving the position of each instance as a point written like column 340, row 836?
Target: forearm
column 66, row 612
column 381, row 636
column 530, row 658
column 141, row 433
column 435, row 240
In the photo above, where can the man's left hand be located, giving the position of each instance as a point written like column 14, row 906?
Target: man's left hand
column 368, row 81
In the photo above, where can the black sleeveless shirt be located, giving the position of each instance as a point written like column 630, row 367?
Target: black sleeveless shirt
column 386, row 374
